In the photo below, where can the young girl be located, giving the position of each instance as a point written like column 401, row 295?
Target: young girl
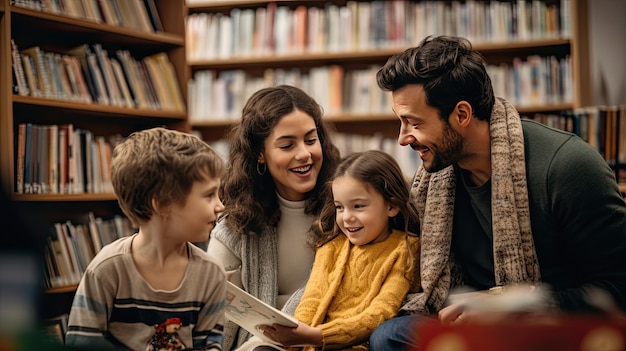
column 362, row 268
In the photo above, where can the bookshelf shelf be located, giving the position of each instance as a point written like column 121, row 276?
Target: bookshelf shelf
column 519, row 45
column 380, row 117
column 91, row 31
column 530, row 109
column 96, row 109
column 216, row 5
column 63, row 197
column 62, row 289
column 361, row 56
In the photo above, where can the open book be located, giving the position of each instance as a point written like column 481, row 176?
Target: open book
column 249, row 312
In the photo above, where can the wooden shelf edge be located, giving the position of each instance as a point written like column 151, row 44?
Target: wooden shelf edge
column 544, row 107
column 97, row 108
column 260, row 60
column 497, row 46
column 216, row 4
column 376, row 116
column 215, row 122
column 124, row 111
column 341, row 117
column 62, row 289
column 62, row 197
column 370, row 54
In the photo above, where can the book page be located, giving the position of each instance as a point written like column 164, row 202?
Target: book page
column 249, row 312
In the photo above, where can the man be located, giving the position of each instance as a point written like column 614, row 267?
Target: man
column 501, row 201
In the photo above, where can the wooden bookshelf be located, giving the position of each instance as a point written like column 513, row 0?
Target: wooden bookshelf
column 58, row 33
column 571, row 43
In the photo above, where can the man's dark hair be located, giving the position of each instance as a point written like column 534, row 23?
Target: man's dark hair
column 450, row 71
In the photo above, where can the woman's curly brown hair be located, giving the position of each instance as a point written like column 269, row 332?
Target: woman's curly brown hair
column 250, row 199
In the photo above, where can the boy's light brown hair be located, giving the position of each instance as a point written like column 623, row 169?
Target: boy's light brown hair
column 160, row 164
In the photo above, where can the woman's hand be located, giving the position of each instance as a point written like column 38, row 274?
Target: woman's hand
column 302, row 335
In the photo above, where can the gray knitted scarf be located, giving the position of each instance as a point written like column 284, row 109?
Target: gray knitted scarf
column 259, row 263
column 515, row 259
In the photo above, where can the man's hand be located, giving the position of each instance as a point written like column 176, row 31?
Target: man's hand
column 458, row 310
column 487, row 307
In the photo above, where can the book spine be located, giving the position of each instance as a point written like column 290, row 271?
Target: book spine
column 16, row 60
column 109, row 83
column 53, row 159
column 41, row 70
column 155, row 18
column 98, row 79
column 21, row 150
column 30, row 71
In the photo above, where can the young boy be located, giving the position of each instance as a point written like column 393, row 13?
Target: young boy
column 155, row 290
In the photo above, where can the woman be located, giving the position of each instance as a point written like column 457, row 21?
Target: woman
column 280, row 157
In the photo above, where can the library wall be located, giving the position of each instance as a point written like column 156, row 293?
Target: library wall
column 607, row 55
column 606, row 67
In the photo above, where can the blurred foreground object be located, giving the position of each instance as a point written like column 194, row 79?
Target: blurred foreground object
column 21, row 278
column 20, row 270
column 554, row 333
column 504, row 299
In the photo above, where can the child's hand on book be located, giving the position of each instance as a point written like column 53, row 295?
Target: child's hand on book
column 302, row 335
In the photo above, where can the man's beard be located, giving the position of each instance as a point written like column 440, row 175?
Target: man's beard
column 447, row 152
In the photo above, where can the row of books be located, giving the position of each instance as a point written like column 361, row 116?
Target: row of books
column 136, row 14
column 71, row 245
column 214, row 95
column 363, row 25
column 87, row 74
column 221, row 95
column 536, row 80
column 604, row 127
column 62, row 159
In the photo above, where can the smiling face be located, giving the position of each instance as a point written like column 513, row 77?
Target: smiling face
column 361, row 212
column 421, row 127
column 293, row 155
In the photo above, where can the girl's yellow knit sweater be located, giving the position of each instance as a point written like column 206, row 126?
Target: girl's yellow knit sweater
column 353, row 289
